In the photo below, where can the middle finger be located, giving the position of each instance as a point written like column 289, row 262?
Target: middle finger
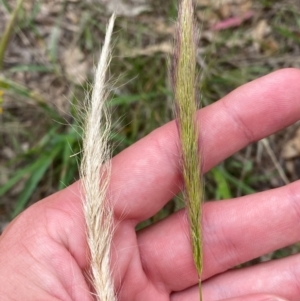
column 234, row 232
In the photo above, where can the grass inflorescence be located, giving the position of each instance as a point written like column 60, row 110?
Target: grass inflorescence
column 184, row 86
column 95, row 177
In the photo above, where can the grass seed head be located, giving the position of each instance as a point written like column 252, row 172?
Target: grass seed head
column 184, row 87
column 95, row 176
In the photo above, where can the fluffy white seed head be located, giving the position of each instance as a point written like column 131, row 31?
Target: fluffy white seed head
column 95, row 175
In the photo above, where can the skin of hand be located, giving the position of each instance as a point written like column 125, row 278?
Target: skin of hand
column 43, row 252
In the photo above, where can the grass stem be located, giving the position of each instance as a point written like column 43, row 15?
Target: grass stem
column 8, row 31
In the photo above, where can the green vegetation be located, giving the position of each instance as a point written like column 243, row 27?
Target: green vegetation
column 8, row 31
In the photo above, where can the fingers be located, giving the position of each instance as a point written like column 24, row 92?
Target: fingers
column 146, row 175
column 234, row 232
column 256, row 298
column 280, row 277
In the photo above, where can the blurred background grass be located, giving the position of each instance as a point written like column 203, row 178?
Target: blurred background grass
column 47, row 69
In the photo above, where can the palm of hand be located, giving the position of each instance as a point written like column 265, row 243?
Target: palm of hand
column 43, row 253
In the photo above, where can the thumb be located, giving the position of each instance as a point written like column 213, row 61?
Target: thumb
column 257, row 297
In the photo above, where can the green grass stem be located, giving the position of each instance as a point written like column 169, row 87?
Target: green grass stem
column 8, row 31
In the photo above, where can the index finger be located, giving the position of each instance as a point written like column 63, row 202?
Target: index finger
column 147, row 175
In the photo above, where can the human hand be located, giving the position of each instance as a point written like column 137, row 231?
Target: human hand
column 43, row 252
